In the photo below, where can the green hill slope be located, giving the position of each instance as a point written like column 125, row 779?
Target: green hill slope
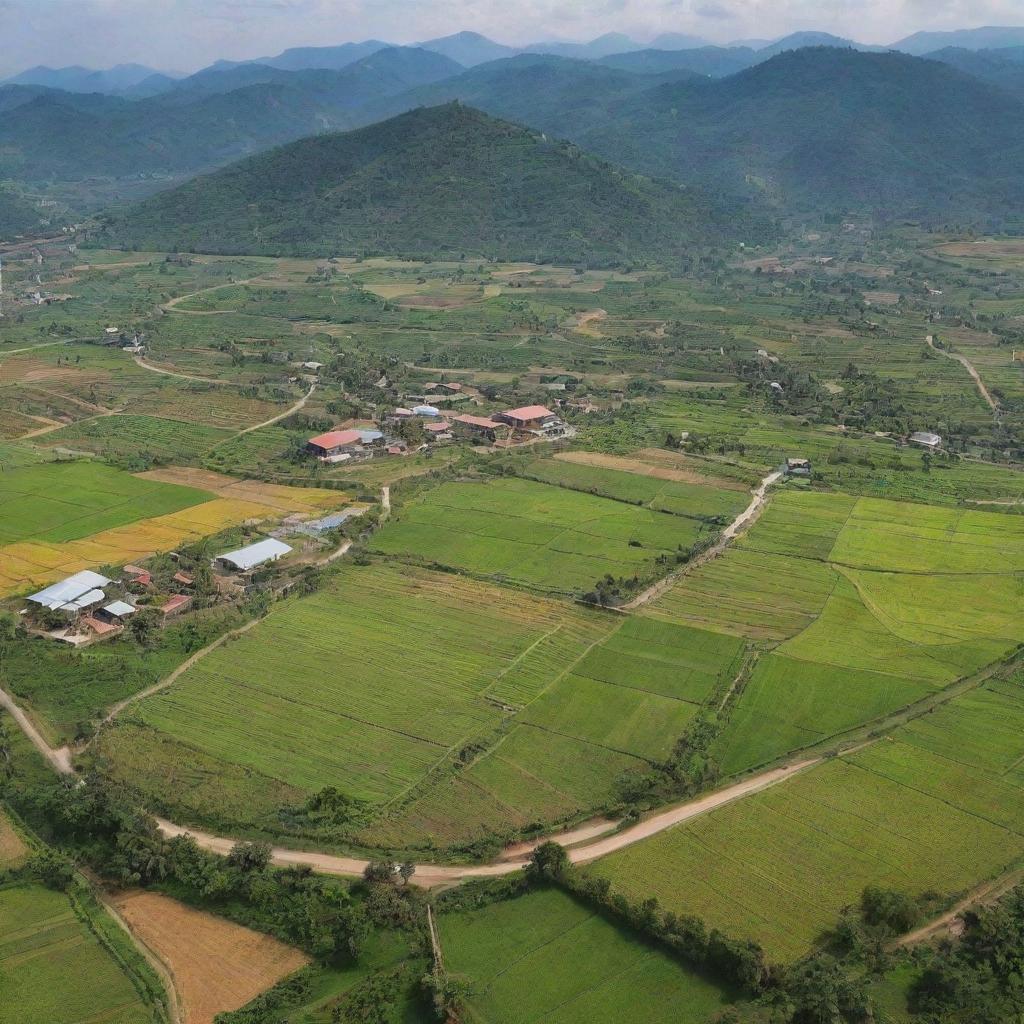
column 445, row 179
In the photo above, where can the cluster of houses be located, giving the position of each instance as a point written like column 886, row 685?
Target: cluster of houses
column 514, row 426
column 88, row 612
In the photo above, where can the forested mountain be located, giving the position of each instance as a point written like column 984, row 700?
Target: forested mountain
column 446, row 179
column 547, row 92
column 802, row 40
column 116, row 81
column 469, row 48
column 716, row 61
column 17, row 215
column 302, row 58
column 829, row 131
column 1004, row 68
column 198, row 126
column 990, row 37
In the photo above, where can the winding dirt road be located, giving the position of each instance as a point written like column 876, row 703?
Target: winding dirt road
column 584, row 843
column 969, row 367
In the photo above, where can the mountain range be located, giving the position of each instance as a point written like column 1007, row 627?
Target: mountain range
column 471, row 48
column 811, row 131
column 439, row 180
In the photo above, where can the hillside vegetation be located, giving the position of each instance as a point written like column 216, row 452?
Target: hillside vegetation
column 442, row 180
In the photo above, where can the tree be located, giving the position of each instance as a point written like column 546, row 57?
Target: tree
column 407, row 869
column 248, row 857
column 53, row 869
column 820, row 992
column 548, row 862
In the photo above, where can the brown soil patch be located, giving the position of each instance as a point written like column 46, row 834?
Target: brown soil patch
column 13, row 849
column 217, row 966
column 882, row 298
column 644, row 468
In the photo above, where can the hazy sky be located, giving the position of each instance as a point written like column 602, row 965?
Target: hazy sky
column 188, row 34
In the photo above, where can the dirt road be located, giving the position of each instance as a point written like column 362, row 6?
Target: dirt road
column 758, row 497
column 579, row 841
column 297, row 407
column 969, row 367
column 60, row 760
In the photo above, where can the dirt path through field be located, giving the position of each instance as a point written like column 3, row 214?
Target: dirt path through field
column 945, row 924
column 139, row 361
column 744, row 519
column 297, row 407
column 969, row 367
column 173, row 303
column 579, row 841
column 59, row 760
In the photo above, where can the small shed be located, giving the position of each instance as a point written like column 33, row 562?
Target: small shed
column 116, row 612
column 428, row 411
column 251, row 557
column 926, row 439
column 176, row 605
column 184, row 578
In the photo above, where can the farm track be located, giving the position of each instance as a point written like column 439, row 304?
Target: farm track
column 297, row 407
column 430, row 876
column 172, row 304
column 969, row 367
column 945, row 924
column 140, row 362
column 744, row 519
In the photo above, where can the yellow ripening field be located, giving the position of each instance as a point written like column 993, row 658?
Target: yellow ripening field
column 34, row 563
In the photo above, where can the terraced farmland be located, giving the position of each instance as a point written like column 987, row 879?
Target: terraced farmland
column 118, row 437
column 922, row 811
column 530, row 533
column 53, row 968
column 542, row 956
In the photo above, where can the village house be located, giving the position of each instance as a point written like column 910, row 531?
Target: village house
column 134, row 574
column 336, row 445
column 536, row 419
column 439, row 431
column 116, row 612
column 798, row 467
column 476, row 428
column 176, row 606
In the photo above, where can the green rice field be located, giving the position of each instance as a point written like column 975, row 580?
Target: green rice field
column 543, row 956
column 936, row 806
column 68, row 500
column 53, row 969
column 534, row 534
column 129, row 436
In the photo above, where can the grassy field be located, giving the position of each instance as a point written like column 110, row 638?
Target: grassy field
column 66, row 501
column 865, row 606
column 123, row 437
column 479, row 710
column 543, row 956
column 53, row 967
column 937, row 806
column 535, row 534
column 681, row 497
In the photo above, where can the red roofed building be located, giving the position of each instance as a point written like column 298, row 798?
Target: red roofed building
column 336, row 442
column 475, row 427
column 535, row 418
column 176, row 605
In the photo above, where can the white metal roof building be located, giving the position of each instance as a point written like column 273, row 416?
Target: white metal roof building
column 926, row 438
column 73, row 594
column 263, row 551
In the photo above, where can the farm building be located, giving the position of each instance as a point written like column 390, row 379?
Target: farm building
column 798, row 467
column 336, row 444
column 136, row 574
column 475, row 428
column 426, row 411
column 176, row 605
column 248, row 558
column 440, row 431
column 73, row 595
column 537, row 419
column 184, row 578
column 926, row 439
